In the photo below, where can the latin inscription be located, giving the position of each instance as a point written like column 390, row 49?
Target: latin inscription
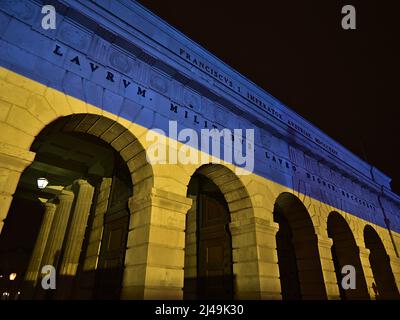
column 253, row 98
column 188, row 113
column 108, row 75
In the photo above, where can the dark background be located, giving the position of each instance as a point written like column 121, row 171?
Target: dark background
column 343, row 81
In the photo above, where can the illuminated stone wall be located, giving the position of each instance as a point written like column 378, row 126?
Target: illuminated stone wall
column 117, row 83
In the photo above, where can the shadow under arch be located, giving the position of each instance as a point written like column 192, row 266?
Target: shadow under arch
column 386, row 287
column 346, row 252
column 298, row 255
column 218, row 195
column 120, row 152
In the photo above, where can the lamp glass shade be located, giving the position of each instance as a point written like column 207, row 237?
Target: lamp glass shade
column 42, row 183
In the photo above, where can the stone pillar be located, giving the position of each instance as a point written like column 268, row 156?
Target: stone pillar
column 83, row 192
column 87, row 278
column 154, row 258
column 33, row 270
column 190, row 269
column 96, row 232
column 395, row 265
column 369, row 276
column 58, row 228
column 13, row 162
column 255, row 260
column 328, row 267
column 395, row 259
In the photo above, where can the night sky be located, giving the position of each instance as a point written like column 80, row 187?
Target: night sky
column 343, row 81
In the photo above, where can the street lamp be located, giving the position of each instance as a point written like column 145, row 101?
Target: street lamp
column 6, row 294
column 42, row 183
column 12, row 277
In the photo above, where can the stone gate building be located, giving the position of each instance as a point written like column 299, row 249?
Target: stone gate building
column 77, row 104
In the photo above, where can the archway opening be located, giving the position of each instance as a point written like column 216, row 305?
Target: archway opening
column 72, row 151
column 386, row 287
column 208, row 243
column 298, row 256
column 346, row 252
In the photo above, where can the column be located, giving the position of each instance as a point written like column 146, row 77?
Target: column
column 83, row 192
column 58, row 228
column 190, row 264
column 328, row 268
column 87, row 278
column 13, row 162
column 369, row 276
column 395, row 259
column 33, row 270
column 154, row 258
column 255, row 260
column 395, row 265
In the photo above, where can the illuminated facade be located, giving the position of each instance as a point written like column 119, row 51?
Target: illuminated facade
column 76, row 104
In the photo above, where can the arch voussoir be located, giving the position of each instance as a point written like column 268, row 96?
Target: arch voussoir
column 122, row 141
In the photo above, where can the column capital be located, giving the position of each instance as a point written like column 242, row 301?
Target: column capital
column 49, row 205
column 82, row 190
column 82, row 182
column 65, row 195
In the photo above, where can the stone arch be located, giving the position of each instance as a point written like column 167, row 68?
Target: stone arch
column 118, row 137
column 231, row 186
column 346, row 252
column 28, row 107
column 299, row 260
column 235, row 198
column 385, row 284
column 140, row 173
column 113, row 134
